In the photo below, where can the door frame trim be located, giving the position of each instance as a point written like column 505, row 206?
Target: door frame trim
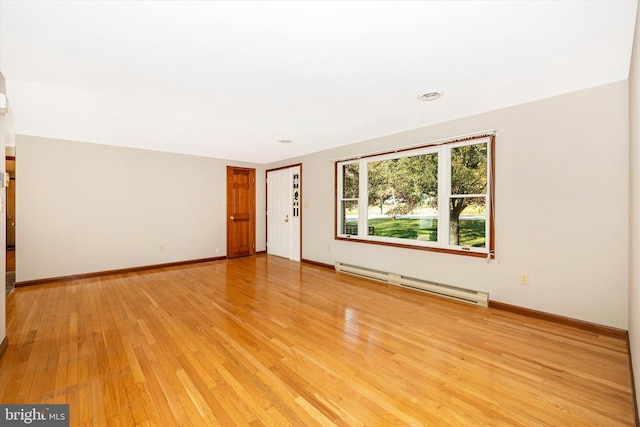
column 266, row 187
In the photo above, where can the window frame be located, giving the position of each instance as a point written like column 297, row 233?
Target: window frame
column 443, row 150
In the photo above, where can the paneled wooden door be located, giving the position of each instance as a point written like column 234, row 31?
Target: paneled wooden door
column 10, row 164
column 241, row 212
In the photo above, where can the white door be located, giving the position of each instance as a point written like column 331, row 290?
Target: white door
column 283, row 213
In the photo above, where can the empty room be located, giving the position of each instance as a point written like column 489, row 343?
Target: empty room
column 358, row 213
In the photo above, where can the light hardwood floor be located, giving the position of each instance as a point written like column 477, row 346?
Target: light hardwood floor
column 265, row 341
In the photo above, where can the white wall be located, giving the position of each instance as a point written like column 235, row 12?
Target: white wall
column 5, row 135
column 562, row 209
column 85, row 208
column 634, row 211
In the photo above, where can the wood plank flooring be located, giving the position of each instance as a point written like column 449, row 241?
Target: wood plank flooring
column 265, row 341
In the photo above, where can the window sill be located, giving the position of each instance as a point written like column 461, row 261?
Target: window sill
column 419, row 248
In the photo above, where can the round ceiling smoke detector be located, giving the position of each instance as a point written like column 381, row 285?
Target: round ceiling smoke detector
column 430, row 96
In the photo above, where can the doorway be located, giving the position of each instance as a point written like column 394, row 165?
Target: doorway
column 284, row 213
column 10, row 167
column 241, row 212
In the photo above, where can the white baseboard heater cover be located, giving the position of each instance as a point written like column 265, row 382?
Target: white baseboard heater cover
column 469, row 296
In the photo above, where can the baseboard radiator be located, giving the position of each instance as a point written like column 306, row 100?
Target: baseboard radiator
column 447, row 291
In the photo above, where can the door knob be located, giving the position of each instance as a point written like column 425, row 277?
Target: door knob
column 231, row 218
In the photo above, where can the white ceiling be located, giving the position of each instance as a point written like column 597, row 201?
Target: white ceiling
column 229, row 79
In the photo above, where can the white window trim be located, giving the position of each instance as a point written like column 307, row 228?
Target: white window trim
column 444, row 194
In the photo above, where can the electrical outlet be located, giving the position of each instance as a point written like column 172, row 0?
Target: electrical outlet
column 524, row 279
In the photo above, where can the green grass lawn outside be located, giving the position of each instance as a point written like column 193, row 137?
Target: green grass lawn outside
column 472, row 231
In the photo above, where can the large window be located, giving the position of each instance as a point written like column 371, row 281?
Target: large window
column 436, row 197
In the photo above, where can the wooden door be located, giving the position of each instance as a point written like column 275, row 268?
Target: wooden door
column 241, row 212
column 11, row 203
